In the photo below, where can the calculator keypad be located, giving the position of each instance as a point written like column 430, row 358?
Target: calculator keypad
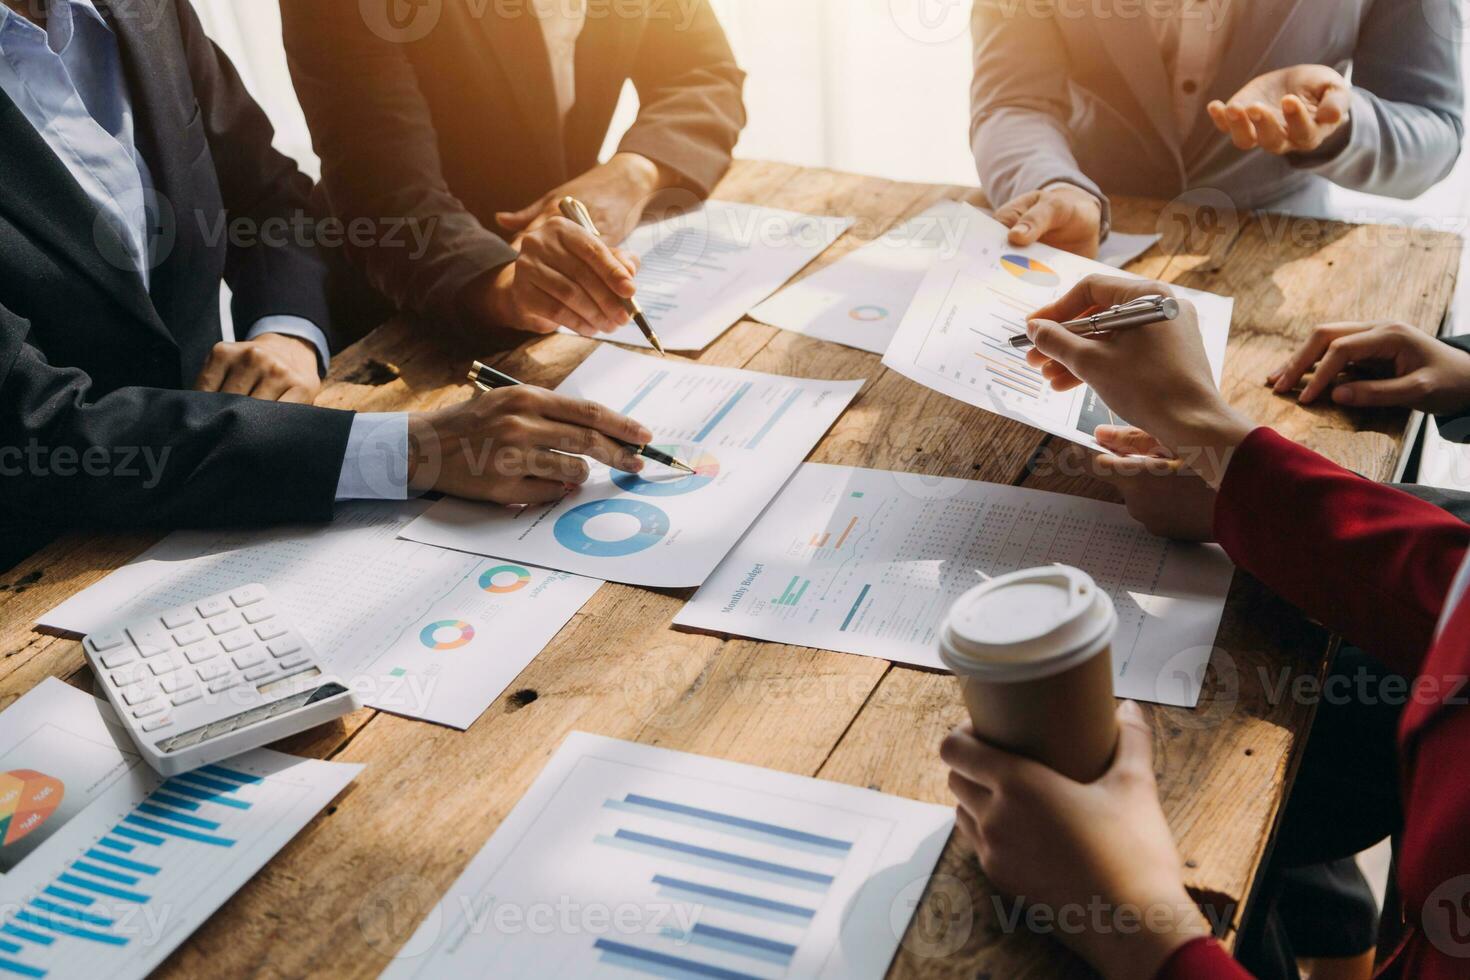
column 214, row 645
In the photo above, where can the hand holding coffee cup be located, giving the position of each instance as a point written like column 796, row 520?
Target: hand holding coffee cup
column 1033, row 654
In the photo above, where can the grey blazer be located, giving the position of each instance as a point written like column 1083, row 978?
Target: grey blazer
column 1062, row 94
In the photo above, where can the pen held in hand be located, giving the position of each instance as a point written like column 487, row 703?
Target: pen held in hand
column 486, row 378
column 576, row 212
column 1140, row 312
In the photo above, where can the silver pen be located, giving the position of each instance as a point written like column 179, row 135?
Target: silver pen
column 1125, row 316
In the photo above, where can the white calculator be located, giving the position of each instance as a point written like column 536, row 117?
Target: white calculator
column 207, row 681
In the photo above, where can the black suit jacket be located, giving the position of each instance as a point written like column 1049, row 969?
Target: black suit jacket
column 444, row 112
column 94, row 367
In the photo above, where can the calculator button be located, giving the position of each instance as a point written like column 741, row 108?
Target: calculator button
column 201, row 653
column 284, row 648
column 185, row 696
column 150, row 708
column 136, row 693
column 213, row 606
column 190, row 634
column 253, row 616
column 237, row 642
column 210, row 671
column 111, row 660
column 247, row 596
column 224, row 684
column 156, row 724
column 177, row 618
column 149, row 635
column 295, row 660
column 175, row 683
column 225, row 623
column 270, row 631
column 163, row 665
column 152, row 651
column 256, row 673
column 248, row 659
column 128, row 676
column 105, row 641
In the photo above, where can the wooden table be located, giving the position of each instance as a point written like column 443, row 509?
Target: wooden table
column 349, row 890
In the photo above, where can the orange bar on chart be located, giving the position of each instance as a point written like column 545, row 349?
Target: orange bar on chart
column 819, row 541
column 845, row 532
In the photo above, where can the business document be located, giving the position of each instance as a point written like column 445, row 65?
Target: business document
column 416, row 630
column 870, row 561
column 106, row 866
column 742, row 432
column 955, row 336
column 657, row 863
column 703, row 270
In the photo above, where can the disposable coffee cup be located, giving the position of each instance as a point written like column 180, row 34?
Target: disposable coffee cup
column 1033, row 654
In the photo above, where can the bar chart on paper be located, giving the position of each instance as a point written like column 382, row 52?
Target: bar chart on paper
column 869, row 562
column 711, row 869
column 140, row 862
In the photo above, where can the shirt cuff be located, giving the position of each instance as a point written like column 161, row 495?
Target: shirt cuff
column 295, row 326
column 375, row 466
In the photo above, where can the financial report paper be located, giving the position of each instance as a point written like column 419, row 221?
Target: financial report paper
column 106, row 866
column 703, row 270
column 955, row 336
column 869, row 562
column 743, row 433
column 417, row 630
column 658, row 863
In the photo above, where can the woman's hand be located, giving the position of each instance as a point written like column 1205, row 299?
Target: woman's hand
column 1421, row 372
column 1169, row 500
column 1157, row 376
column 1099, row 856
column 1061, row 215
column 1290, row 110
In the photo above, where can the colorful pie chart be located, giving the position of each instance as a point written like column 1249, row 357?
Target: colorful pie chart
column 611, row 528
column 706, row 468
column 504, row 579
column 1032, row 271
column 447, row 634
column 27, row 799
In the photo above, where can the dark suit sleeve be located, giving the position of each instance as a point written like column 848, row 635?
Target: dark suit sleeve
column 689, row 89
column 381, row 111
column 158, row 457
column 1455, row 427
column 281, row 273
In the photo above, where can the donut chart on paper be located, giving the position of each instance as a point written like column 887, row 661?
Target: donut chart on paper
column 868, row 313
column 1031, row 271
column 647, row 528
column 27, row 799
column 447, row 634
column 706, row 468
column 505, row 579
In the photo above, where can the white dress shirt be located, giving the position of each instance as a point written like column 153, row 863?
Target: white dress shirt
column 562, row 22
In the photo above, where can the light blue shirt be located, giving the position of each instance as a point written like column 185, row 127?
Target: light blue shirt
column 68, row 83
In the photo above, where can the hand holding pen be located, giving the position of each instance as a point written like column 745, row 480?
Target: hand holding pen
column 575, row 211
column 487, row 378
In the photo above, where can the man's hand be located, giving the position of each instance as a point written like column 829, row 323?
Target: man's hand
column 1291, row 110
column 1063, row 846
column 272, row 367
column 1060, row 215
column 1418, row 371
column 564, row 277
column 1167, row 499
column 615, row 193
column 509, row 446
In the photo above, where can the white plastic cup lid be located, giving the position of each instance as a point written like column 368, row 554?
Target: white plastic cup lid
column 1026, row 625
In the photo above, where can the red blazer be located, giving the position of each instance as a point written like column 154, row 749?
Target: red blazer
column 1375, row 565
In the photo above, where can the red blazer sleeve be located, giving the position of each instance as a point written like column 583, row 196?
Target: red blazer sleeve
column 1202, row 959
column 1365, row 560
